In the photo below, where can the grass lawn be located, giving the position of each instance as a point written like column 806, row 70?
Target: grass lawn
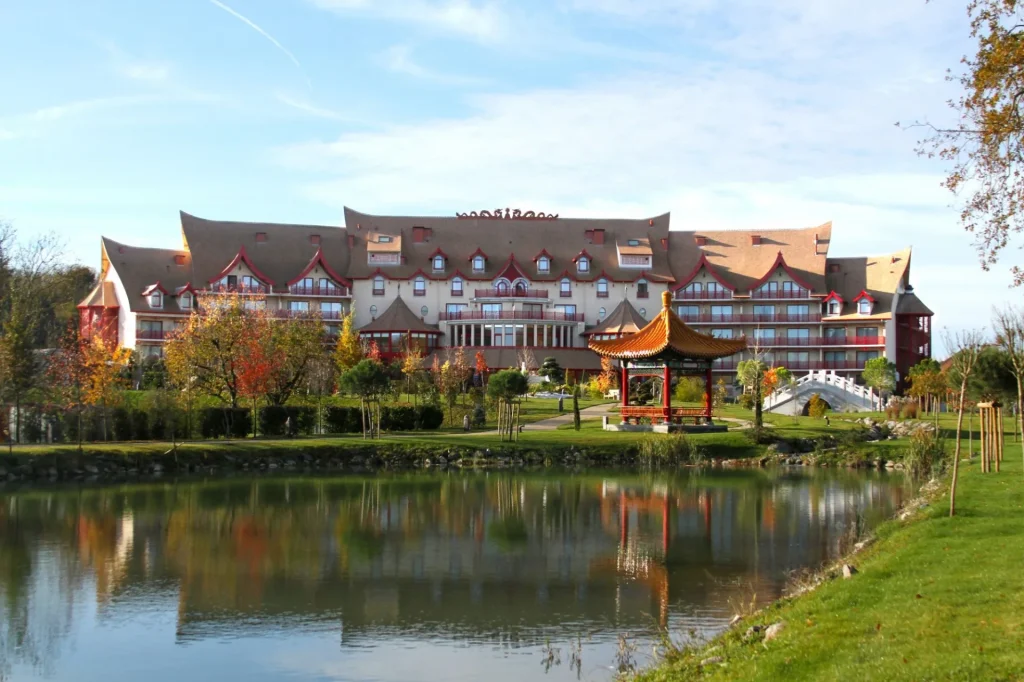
column 936, row 598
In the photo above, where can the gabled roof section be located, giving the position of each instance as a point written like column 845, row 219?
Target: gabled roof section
column 833, row 296
column 243, row 257
column 780, row 262
column 155, row 287
column 623, row 319
column 667, row 333
column 711, row 270
column 543, row 252
column 512, row 271
column 478, row 252
column 398, row 318
column 187, row 288
column 582, row 254
column 910, row 304
column 136, row 268
column 318, row 259
column 878, row 276
column 438, row 252
column 864, row 294
column 101, row 296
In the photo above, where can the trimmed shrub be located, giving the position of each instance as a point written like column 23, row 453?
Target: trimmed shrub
column 121, row 424
column 816, row 407
column 272, row 420
column 140, row 425
column 398, row 418
column 217, row 422
column 430, row 417
column 343, row 420
column 280, row 420
column 32, row 427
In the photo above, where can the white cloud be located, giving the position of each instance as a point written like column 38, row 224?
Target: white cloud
column 399, row 59
column 483, row 21
column 274, row 41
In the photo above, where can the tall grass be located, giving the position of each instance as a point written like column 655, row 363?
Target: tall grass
column 670, row 449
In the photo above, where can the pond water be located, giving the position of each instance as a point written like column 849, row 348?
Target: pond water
column 448, row 576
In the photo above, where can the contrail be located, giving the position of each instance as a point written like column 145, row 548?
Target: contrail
column 266, row 35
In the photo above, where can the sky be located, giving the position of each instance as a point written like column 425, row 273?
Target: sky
column 748, row 114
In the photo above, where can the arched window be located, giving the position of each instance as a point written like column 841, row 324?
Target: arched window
column 565, row 288
column 457, row 286
column 502, row 286
column 378, row 286
column 543, row 264
column 478, row 264
column 641, row 288
column 602, row 288
column 601, row 314
column 373, row 311
column 835, row 307
column 156, row 300
column 419, row 287
column 583, row 264
column 864, row 306
column 643, row 313
column 520, row 287
column 438, row 263
column 185, row 301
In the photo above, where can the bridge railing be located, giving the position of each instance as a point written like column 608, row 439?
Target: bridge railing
column 843, row 383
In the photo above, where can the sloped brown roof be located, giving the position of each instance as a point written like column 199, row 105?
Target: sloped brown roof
column 284, row 253
column 102, row 295
column 398, row 318
column 506, row 358
column 879, row 276
column 910, row 304
column 668, row 332
column 502, row 238
column 624, row 319
column 141, row 268
column 742, row 264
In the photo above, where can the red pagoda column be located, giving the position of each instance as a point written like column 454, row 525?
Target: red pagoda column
column 624, row 387
column 707, row 394
column 666, row 395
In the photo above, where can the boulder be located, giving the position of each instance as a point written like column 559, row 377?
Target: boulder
column 753, row 632
column 780, row 448
column 713, row 660
column 774, row 630
column 849, row 571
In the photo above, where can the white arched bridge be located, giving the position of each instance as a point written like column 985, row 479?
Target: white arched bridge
column 841, row 393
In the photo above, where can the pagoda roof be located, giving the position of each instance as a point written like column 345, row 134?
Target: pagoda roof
column 398, row 318
column 623, row 319
column 667, row 332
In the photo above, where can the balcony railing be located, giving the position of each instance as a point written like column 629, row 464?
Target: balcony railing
column 794, row 365
column 305, row 314
column 703, row 295
column 153, row 334
column 780, row 294
column 511, row 293
column 317, row 290
column 468, row 315
column 750, row 318
column 248, row 289
column 795, row 341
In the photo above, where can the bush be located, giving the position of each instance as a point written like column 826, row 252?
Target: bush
column 746, row 401
column 272, row 420
column 217, row 422
column 140, row 425
column 926, row 455
column 430, row 417
column 479, row 418
column 689, row 390
column 816, row 407
column 343, row 420
column 281, row 420
column 909, row 410
column 674, row 448
column 760, row 436
column 398, row 418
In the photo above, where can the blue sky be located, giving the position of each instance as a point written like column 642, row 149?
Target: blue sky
column 746, row 114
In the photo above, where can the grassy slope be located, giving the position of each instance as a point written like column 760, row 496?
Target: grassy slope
column 938, row 598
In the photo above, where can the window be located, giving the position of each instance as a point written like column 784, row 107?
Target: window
column 643, row 313
column 721, row 312
column 641, row 288
column 250, row 283
column 424, row 310
column 330, row 310
column 764, row 312
column 769, row 289
column 716, row 290
column 835, row 307
column 798, row 359
column 864, row 355
column 378, row 286
column 185, row 301
column 453, row 311
column 156, row 300
column 326, row 286
column 565, row 289
column 232, row 281
column 834, row 359
column 543, row 264
column 688, row 313
column 438, row 263
column 299, row 306
column 419, row 287
column 568, row 312
column 799, row 337
column 764, row 334
column 864, row 306
column 835, row 332
column 871, row 332
column 501, row 286
column 151, row 329
column 602, row 288
column 721, row 333
column 793, row 290
column 491, row 311
column 383, row 239
column 306, row 285
column 478, row 263
column 373, row 311
column 601, row 314
column 583, row 264
column 457, row 286
column 693, row 290
column 798, row 312
column 154, row 351
column 249, row 304
column 520, row 287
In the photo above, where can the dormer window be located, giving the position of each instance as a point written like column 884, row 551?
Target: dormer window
column 583, row 264
column 185, row 301
column 457, row 286
column 565, row 288
column 835, row 307
column 156, row 299
column 419, row 287
column 864, row 306
column 641, row 288
column 543, row 264
column 478, row 263
column 378, row 286
column 383, row 239
column 602, row 288
column 438, row 263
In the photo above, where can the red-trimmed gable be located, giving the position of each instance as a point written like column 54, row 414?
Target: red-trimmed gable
column 704, row 263
column 833, row 296
column 864, row 294
column 478, row 252
column 439, row 252
column 582, row 254
column 242, row 257
column 543, row 252
column 780, row 261
column 155, row 287
column 512, row 271
column 318, row 259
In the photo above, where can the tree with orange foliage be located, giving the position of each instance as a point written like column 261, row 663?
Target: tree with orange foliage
column 255, row 365
column 66, row 377
column 480, row 364
column 373, row 351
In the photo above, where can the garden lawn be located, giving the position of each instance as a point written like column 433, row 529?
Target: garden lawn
column 936, row 598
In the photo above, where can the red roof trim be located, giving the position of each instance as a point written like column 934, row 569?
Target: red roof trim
column 706, row 264
column 155, row 287
column 318, row 257
column 781, row 262
column 581, row 253
column 512, row 267
column 864, row 294
column 243, row 257
column 438, row 252
column 543, row 252
column 478, row 252
column 832, row 296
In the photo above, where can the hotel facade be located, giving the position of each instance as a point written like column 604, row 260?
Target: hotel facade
column 525, row 286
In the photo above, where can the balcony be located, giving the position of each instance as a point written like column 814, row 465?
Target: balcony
column 750, row 318
column 306, row 314
column 244, row 289
column 511, row 293
column 729, row 364
column 785, row 294
column 796, row 341
column 317, row 290
column 703, row 295
column 540, row 316
column 153, row 334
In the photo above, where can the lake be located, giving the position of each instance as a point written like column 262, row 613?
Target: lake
column 449, row 576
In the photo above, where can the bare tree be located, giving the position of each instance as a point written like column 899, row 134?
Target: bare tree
column 965, row 347
column 1009, row 324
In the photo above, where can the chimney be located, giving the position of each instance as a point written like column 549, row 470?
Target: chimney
column 599, row 236
column 179, row 259
column 419, row 233
column 314, row 239
column 351, row 241
column 755, row 239
column 701, row 241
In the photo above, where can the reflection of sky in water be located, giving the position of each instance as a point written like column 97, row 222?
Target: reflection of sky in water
column 454, row 577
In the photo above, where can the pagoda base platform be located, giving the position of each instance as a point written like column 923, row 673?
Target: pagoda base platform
column 610, row 425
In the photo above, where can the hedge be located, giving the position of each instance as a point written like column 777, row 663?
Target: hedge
column 274, row 418
column 392, row 418
column 216, row 422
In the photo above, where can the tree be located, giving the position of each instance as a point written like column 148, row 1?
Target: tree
column 1009, row 324
column 348, row 351
column 255, row 366
column 720, row 394
column 320, row 382
column 927, row 383
column 880, row 374
column 986, row 145
column 67, row 374
column 551, row 371
column 369, row 381
column 412, row 364
column 966, row 346
column 992, row 378
column 294, row 346
column 449, row 383
column 751, row 374
column 816, row 407
column 104, row 376
column 480, row 365
column 17, row 359
column 576, row 408
column 505, row 388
